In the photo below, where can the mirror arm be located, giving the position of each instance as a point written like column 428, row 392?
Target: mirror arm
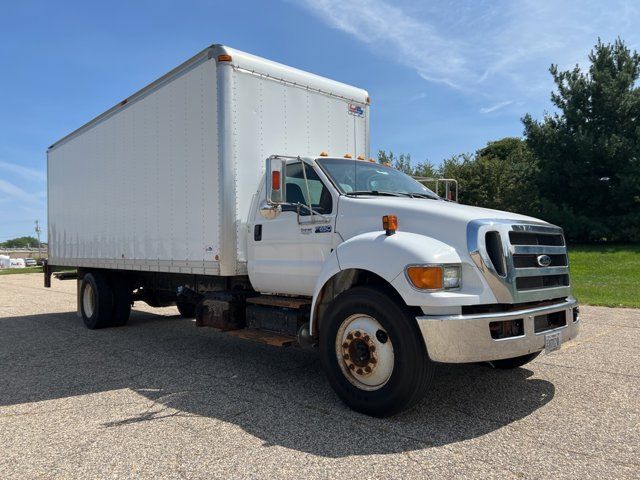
column 306, row 184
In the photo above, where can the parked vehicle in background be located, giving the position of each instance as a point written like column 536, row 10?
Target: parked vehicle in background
column 239, row 189
column 5, row 261
column 17, row 263
column 30, row 262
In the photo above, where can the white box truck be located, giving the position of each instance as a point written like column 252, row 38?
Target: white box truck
column 239, row 189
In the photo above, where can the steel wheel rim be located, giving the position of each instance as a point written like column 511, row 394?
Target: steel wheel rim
column 364, row 352
column 88, row 300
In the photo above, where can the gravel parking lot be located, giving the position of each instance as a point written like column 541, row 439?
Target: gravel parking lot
column 161, row 398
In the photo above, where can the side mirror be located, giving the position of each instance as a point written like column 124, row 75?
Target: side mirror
column 276, row 185
column 276, row 193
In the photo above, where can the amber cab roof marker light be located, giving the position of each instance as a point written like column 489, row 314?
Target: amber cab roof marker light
column 224, row 58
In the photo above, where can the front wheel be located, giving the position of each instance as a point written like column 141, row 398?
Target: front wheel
column 373, row 353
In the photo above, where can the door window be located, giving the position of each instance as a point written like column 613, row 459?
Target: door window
column 297, row 193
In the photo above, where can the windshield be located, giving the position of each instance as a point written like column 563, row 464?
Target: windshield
column 360, row 177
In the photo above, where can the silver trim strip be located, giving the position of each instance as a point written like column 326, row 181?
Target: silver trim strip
column 538, row 272
column 538, row 250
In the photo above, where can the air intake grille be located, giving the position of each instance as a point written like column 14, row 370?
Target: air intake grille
column 522, row 262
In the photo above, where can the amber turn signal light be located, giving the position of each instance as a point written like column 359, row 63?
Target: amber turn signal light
column 224, row 58
column 390, row 224
column 425, row 278
column 275, row 180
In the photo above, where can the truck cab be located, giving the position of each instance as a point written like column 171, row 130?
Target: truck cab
column 471, row 284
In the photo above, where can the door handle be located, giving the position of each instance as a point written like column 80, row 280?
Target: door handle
column 257, row 233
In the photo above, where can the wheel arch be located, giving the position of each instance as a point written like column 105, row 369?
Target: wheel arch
column 378, row 259
column 343, row 280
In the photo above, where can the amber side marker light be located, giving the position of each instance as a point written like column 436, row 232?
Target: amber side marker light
column 275, row 180
column 390, row 224
column 425, row 278
column 224, row 58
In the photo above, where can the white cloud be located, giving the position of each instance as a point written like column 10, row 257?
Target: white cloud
column 496, row 106
column 13, row 191
column 484, row 48
column 25, row 172
column 406, row 38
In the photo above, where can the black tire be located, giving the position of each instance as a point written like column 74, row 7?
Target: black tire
column 121, row 302
column 96, row 301
column 515, row 362
column 412, row 371
column 186, row 309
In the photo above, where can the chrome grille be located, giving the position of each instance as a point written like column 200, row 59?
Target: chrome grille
column 509, row 256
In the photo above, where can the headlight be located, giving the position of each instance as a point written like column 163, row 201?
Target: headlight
column 434, row 277
column 451, row 276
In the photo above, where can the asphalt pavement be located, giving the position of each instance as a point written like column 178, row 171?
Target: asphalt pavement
column 162, row 398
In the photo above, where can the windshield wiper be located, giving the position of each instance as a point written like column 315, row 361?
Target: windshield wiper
column 423, row 195
column 375, row 193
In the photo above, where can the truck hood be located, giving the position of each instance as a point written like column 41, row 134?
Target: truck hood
column 444, row 221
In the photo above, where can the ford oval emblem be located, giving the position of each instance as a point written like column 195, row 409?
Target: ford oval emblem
column 544, row 260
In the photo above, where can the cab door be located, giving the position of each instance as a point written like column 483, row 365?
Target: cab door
column 287, row 253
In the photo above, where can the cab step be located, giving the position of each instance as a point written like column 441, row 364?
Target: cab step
column 281, row 302
column 265, row 337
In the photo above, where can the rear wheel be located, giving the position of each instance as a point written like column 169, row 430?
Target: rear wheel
column 515, row 362
column 96, row 301
column 373, row 353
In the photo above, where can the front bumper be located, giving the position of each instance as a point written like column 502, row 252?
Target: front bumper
column 467, row 338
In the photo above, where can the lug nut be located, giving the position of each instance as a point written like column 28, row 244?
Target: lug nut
column 350, row 336
column 359, row 371
column 373, row 360
column 372, row 348
column 346, row 356
column 345, row 345
column 357, row 334
column 367, row 369
column 352, row 366
column 366, row 338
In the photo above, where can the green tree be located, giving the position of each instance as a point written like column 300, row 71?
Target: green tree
column 402, row 162
column 21, row 242
column 501, row 175
column 589, row 150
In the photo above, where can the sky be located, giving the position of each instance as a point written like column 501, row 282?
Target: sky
column 444, row 77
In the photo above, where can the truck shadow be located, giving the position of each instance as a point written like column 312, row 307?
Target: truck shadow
column 277, row 395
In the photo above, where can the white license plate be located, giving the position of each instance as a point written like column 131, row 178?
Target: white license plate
column 551, row 342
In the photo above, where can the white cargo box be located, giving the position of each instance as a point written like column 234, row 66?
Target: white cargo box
column 164, row 180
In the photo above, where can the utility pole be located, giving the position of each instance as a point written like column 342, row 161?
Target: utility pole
column 38, row 233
